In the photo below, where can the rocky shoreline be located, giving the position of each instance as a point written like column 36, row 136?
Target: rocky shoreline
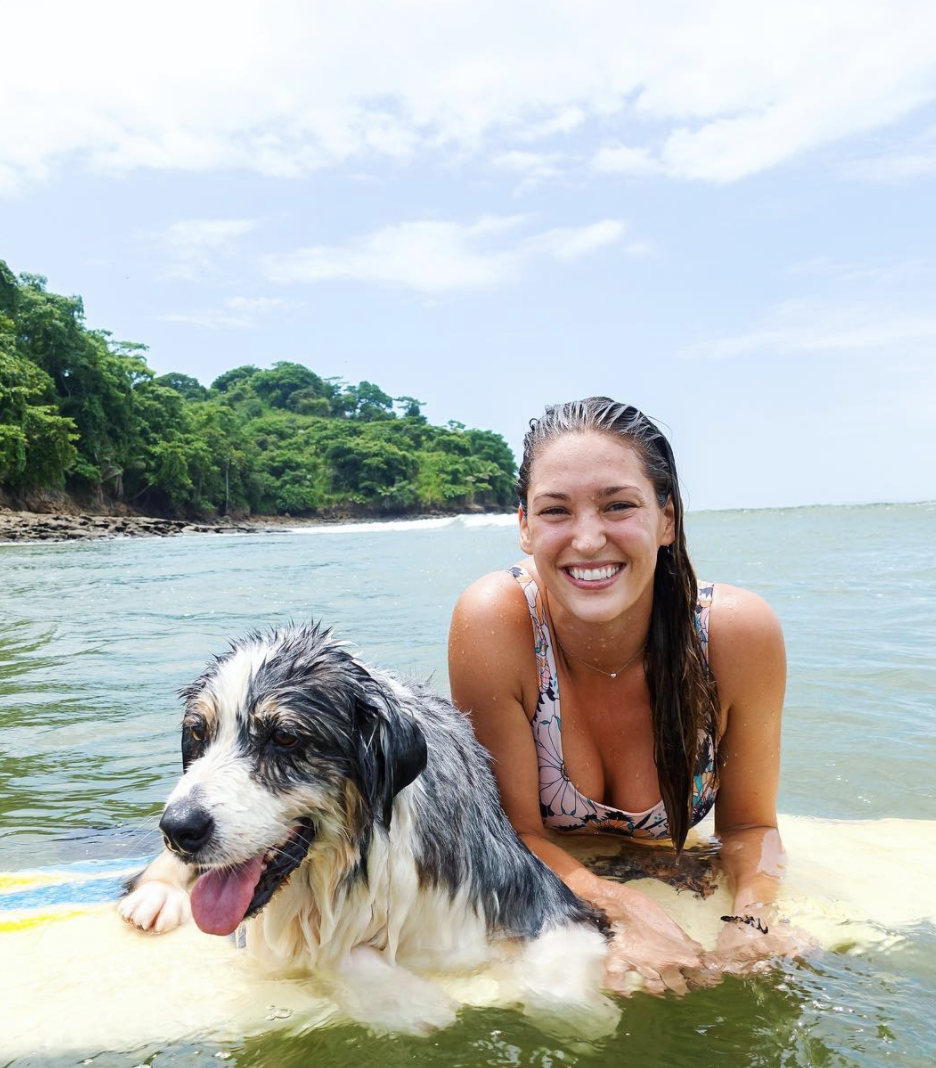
column 37, row 526
column 22, row 526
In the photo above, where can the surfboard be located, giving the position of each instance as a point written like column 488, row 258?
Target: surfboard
column 74, row 978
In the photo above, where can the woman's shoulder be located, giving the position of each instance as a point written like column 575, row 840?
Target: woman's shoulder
column 490, row 644
column 739, row 613
column 496, row 599
column 745, row 640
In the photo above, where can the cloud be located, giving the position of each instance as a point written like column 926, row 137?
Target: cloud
column 194, row 245
column 438, row 256
column 898, row 165
column 533, row 168
column 712, row 92
column 623, row 159
column 832, row 327
column 237, row 313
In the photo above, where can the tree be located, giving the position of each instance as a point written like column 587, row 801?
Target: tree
column 189, row 387
column 236, row 375
column 411, row 408
column 36, row 443
column 364, row 467
column 278, row 384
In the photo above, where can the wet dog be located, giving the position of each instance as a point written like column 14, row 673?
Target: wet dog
column 353, row 821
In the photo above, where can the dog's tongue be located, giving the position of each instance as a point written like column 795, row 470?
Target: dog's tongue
column 221, row 897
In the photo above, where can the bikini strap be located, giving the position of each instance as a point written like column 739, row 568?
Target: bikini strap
column 545, row 664
column 701, row 618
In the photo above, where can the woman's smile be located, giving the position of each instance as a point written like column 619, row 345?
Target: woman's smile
column 592, row 576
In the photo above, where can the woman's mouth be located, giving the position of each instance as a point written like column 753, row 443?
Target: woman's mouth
column 593, row 577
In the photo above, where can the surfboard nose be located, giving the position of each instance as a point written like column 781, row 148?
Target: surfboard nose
column 186, row 827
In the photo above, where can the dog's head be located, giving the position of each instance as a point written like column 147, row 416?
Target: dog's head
column 286, row 740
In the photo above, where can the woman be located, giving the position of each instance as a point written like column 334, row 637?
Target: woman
column 671, row 694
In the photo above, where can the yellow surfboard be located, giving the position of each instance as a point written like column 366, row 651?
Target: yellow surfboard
column 73, row 977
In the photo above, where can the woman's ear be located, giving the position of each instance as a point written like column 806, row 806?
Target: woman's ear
column 526, row 543
column 669, row 522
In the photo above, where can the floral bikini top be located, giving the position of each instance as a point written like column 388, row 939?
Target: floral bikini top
column 562, row 807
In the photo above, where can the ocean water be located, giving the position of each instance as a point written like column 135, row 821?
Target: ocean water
column 96, row 638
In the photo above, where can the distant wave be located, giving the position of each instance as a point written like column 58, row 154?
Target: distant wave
column 467, row 522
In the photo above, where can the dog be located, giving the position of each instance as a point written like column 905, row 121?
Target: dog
column 350, row 821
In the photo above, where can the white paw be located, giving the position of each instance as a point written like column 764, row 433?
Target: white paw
column 155, row 906
column 385, row 997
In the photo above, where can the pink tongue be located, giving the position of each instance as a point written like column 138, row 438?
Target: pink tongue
column 220, row 898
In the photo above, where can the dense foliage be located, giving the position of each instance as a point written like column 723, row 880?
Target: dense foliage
column 81, row 411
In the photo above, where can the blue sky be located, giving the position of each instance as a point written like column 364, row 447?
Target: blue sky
column 721, row 213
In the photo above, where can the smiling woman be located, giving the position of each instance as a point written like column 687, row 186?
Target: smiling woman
column 671, row 691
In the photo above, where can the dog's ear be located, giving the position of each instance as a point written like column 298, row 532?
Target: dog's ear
column 392, row 752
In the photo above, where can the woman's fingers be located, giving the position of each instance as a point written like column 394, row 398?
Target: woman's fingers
column 705, row 976
column 674, row 980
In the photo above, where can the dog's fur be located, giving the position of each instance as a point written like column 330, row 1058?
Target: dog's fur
column 385, row 849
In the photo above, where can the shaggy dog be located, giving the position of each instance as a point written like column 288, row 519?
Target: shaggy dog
column 353, row 821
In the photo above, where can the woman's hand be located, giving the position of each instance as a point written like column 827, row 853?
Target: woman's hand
column 745, row 949
column 649, row 950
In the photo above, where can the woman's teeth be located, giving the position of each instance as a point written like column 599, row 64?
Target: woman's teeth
column 594, row 574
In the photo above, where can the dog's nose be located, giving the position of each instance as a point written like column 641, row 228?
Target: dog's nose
column 186, row 828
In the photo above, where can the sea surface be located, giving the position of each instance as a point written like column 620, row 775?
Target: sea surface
column 97, row 637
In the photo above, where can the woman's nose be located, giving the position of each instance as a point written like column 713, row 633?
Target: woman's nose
column 588, row 536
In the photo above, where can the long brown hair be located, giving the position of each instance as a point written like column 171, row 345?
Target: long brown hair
column 683, row 696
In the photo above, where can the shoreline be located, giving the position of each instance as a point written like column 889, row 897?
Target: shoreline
column 57, row 525
column 24, row 526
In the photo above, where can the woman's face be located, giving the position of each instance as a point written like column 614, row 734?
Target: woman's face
column 593, row 525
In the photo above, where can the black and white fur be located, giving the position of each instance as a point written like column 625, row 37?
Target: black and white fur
column 387, row 853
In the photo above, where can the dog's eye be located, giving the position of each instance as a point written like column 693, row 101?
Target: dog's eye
column 284, row 739
column 198, row 733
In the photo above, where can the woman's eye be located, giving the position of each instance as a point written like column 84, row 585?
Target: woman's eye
column 620, row 506
column 284, row 739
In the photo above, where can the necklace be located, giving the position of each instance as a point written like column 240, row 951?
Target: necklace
column 610, row 674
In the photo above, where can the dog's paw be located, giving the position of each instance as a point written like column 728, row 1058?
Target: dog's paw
column 419, row 1011
column 155, row 906
column 386, row 998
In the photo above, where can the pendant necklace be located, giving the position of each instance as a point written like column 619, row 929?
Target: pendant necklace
column 610, row 674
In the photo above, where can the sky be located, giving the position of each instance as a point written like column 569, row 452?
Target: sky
column 722, row 213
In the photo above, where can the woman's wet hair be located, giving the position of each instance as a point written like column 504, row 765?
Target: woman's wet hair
column 683, row 695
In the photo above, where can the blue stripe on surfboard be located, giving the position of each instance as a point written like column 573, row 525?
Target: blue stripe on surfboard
column 87, row 882
column 88, row 893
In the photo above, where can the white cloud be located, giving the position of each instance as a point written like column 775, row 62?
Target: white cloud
column 622, row 159
column 705, row 91
column 238, row 313
column 532, row 167
column 437, row 256
column 567, row 243
column 194, row 245
column 899, row 164
column 831, row 327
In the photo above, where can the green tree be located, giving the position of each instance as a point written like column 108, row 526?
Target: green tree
column 237, row 375
column 282, row 380
column 411, row 408
column 189, row 387
column 36, row 443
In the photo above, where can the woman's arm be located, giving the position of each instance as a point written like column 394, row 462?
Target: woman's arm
column 749, row 662
column 492, row 672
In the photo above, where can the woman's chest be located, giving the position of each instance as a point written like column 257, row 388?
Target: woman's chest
column 607, row 748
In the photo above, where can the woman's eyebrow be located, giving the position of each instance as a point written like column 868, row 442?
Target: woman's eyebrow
column 612, row 490
column 609, row 491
